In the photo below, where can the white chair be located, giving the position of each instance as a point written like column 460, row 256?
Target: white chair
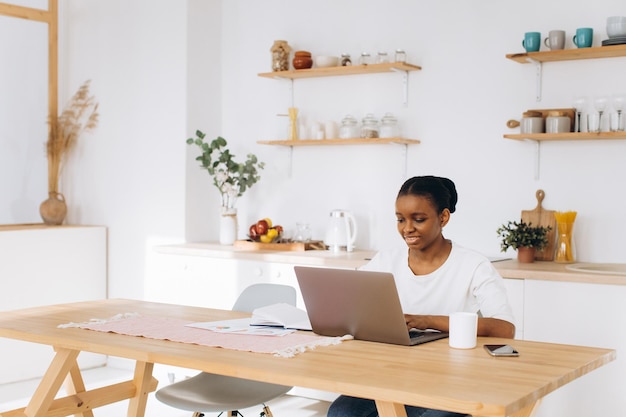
column 210, row 393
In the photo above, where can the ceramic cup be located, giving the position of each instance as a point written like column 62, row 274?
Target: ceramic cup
column 583, row 37
column 532, row 41
column 463, row 329
column 555, row 39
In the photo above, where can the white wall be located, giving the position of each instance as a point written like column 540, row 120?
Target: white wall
column 162, row 69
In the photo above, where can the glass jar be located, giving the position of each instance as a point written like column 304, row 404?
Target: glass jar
column 349, row 128
column 365, row 58
column 382, row 57
column 369, row 127
column 400, row 55
column 303, row 232
column 345, row 60
column 389, row 126
column 280, row 55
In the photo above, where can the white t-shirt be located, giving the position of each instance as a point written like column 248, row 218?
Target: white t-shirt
column 467, row 281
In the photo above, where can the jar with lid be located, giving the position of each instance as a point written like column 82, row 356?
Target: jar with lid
column 558, row 122
column 389, row 126
column 400, row 55
column 349, row 128
column 280, row 55
column 369, row 127
column 365, row 58
column 345, row 60
column 382, row 57
column 302, row 60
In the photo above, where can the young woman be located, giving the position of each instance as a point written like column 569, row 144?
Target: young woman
column 435, row 277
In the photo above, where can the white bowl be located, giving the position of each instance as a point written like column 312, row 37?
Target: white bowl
column 326, row 61
column 616, row 29
column 616, row 19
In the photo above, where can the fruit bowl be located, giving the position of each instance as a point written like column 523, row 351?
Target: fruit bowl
column 265, row 231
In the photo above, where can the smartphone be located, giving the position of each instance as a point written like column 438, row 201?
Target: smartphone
column 501, row 350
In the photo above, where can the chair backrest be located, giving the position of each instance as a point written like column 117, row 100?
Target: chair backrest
column 264, row 294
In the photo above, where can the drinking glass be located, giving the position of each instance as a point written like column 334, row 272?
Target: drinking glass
column 579, row 105
column 618, row 105
column 593, row 122
column 600, row 104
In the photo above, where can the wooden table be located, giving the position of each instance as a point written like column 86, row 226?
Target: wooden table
column 430, row 375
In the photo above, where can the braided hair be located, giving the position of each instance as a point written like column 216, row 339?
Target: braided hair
column 439, row 190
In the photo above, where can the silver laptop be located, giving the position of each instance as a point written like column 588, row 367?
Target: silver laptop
column 364, row 304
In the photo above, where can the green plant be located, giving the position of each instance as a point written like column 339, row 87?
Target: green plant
column 521, row 234
column 231, row 178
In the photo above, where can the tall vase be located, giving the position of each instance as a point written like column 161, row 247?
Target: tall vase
column 228, row 227
column 565, row 252
column 53, row 210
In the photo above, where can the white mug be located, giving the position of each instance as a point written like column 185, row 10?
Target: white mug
column 463, row 329
column 555, row 40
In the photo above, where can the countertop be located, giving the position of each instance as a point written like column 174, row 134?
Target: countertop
column 540, row 270
column 322, row 258
column 552, row 271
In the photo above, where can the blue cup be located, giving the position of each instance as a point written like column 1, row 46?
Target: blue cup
column 532, row 41
column 583, row 37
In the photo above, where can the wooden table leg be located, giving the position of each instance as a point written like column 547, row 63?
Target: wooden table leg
column 144, row 384
column 63, row 361
column 74, row 384
column 388, row 409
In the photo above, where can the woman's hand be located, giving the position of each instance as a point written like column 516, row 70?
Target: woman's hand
column 487, row 327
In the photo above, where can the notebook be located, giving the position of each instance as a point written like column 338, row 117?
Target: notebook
column 364, row 304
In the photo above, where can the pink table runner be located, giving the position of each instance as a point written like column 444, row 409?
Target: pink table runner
column 175, row 330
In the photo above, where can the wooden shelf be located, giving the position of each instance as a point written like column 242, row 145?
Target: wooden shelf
column 333, row 142
column 337, row 71
column 612, row 51
column 570, row 136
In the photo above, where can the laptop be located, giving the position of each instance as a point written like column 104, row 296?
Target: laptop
column 364, row 304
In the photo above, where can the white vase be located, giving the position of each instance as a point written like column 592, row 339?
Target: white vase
column 228, row 228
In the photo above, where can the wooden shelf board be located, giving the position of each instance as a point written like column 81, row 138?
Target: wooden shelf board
column 336, row 71
column 324, row 142
column 570, row 136
column 611, row 51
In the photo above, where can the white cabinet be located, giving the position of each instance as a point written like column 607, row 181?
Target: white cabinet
column 515, row 293
column 42, row 266
column 581, row 314
column 212, row 282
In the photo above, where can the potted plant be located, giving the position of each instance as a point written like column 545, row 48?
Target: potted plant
column 523, row 237
column 231, row 178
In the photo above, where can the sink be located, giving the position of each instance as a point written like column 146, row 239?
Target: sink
column 608, row 269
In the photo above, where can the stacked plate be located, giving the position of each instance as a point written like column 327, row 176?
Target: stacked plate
column 618, row 40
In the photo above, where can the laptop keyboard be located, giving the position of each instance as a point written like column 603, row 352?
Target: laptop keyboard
column 415, row 334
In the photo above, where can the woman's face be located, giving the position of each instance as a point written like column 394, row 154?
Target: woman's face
column 419, row 224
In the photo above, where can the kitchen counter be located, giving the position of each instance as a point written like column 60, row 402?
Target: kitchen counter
column 552, row 271
column 321, row 258
column 540, row 270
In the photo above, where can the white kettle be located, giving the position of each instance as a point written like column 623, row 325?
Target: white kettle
column 341, row 231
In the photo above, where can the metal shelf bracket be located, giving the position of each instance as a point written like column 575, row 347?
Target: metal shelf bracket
column 405, row 86
column 538, row 77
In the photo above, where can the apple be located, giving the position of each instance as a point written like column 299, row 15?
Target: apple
column 253, row 233
column 279, row 229
column 262, row 226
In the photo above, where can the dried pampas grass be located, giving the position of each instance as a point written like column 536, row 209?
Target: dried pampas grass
column 80, row 115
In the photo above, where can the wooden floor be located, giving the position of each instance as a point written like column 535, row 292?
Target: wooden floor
column 16, row 395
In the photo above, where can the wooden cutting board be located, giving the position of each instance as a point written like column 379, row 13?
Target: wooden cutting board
column 542, row 217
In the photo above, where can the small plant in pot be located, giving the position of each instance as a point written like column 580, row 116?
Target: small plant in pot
column 523, row 237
